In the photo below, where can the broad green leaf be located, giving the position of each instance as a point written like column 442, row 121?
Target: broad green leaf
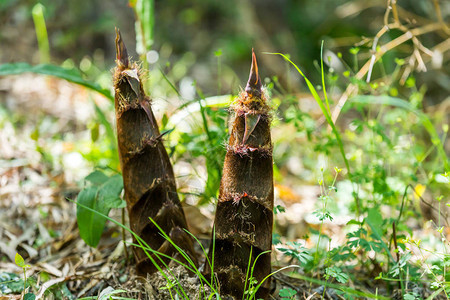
column 71, row 75
column 375, row 220
column 91, row 225
column 19, row 260
column 97, row 178
column 109, row 192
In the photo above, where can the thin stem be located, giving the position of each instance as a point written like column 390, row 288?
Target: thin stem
column 124, row 235
column 24, row 280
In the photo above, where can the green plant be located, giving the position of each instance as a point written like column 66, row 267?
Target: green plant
column 160, row 260
column 337, row 274
column 296, row 250
column 41, row 32
column 20, row 262
column 101, row 193
column 287, row 294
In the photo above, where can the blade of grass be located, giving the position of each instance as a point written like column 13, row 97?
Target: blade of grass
column 253, row 268
column 142, row 244
column 248, row 271
column 323, row 79
column 181, row 251
column 41, row 32
column 271, row 274
column 436, row 293
column 347, row 290
column 169, row 82
column 145, row 247
column 205, row 253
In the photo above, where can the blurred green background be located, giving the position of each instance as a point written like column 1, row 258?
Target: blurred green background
column 196, row 31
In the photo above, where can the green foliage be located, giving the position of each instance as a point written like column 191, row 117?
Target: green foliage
column 10, row 283
column 411, row 296
column 277, row 209
column 337, row 274
column 100, row 194
column 390, row 145
column 287, row 293
column 29, row 296
column 383, row 166
column 424, row 120
column 399, row 267
column 360, row 240
column 297, row 251
column 325, row 110
column 206, row 141
column 108, row 294
column 20, row 262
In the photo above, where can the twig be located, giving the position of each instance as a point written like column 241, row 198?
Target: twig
column 374, row 50
column 408, row 35
column 394, row 11
column 437, row 8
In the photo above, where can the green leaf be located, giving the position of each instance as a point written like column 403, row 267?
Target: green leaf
column 71, row 75
column 109, row 192
column 336, row 273
column 297, row 251
column 19, row 260
column 276, row 239
column 288, row 293
column 375, row 219
column 90, row 224
column 29, row 296
column 278, row 209
column 97, row 178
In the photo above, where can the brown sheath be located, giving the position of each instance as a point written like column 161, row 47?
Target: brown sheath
column 244, row 214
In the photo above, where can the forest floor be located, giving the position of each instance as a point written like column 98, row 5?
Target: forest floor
column 41, row 170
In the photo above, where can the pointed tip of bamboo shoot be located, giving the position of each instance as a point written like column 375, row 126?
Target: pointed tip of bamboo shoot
column 121, row 52
column 254, row 86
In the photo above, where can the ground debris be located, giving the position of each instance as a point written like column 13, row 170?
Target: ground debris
column 180, row 281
